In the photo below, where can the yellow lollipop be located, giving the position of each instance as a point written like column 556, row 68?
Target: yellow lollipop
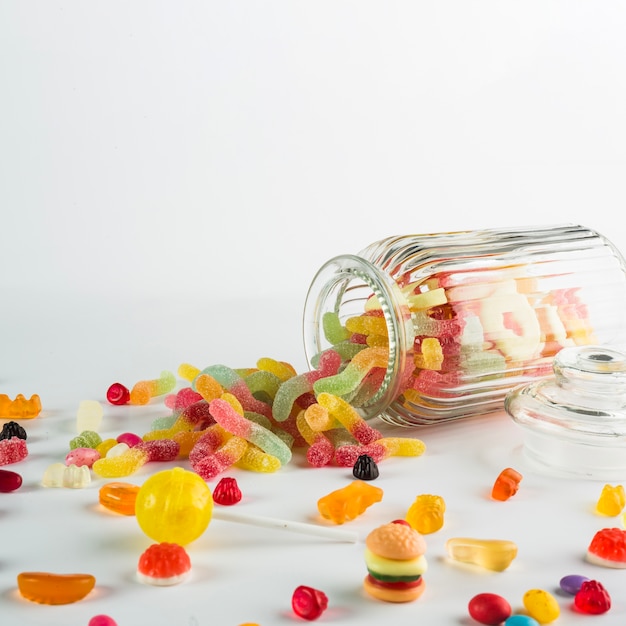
column 174, row 506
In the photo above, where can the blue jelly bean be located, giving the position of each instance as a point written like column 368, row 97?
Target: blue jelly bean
column 571, row 584
column 521, row 620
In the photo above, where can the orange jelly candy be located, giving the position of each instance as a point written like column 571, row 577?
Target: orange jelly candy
column 349, row 502
column 48, row 588
column 506, row 485
column 119, row 497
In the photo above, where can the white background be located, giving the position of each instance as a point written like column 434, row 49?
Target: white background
column 171, row 177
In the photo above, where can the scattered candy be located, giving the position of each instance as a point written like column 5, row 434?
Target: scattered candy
column 102, row 620
column 492, row 554
column 611, row 501
column 426, row 514
column 49, row 588
column 541, row 605
column 119, row 497
column 592, row 598
column 521, row 620
column 174, row 506
column 130, row 439
column 82, row 456
column 349, row 502
column 118, row 394
column 506, row 485
column 163, row 564
column 89, row 416
column 489, row 608
column 608, row 548
column 365, row 468
column 20, row 407
column 12, row 429
column 12, row 450
column 69, row 476
column 227, row 492
column 394, row 556
column 9, row 481
column 308, row 603
column 571, row 583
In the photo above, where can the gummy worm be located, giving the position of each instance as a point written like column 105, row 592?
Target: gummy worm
column 144, row 390
column 238, row 425
column 349, row 418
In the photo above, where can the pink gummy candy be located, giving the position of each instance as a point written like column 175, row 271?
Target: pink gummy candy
column 308, row 603
column 82, row 456
column 160, row 449
column 12, row 450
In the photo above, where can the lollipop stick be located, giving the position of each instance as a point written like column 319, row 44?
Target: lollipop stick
column 296, row 527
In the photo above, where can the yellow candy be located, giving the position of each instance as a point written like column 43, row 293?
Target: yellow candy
column 425, row 515
column 541, row 605
column 611, row 501
column 174, row 506
column 492, row 554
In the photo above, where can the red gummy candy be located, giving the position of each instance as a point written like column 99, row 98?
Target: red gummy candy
column 12, row 450
column 308, row 603
column 160, row 449
column 592, row 598
column 164, row 563
column 608, row 547
column 227, row 492
column 118, row 394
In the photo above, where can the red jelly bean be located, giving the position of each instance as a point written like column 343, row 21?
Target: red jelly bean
column 118, row 394
column 592, row 598
column 308, row 603
column 9, row 481
column 227, row 492
column 489, row 608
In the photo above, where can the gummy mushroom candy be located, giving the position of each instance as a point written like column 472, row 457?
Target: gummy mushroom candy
column 608, row 548
column 163, row 564
column 394, row 555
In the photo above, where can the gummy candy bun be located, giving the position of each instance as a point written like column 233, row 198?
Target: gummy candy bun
column 390, row 592
column 396, row 541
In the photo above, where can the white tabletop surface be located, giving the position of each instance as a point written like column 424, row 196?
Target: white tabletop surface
column 171, row 177
column 72, row 350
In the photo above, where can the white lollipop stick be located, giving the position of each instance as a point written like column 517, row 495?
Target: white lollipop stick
column 296, row 527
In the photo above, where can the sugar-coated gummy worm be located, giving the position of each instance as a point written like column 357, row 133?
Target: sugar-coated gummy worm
column 49, row 588
column 144, row 390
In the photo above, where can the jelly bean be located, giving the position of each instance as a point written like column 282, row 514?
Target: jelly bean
column 227, row 492
column 308, row 603
column 13, row 429
column 541, row 605
column 348, row 502
column 365, row 468
column 89, row 416
column 491, row 554
column 9, row 481
column 119, row 497
column 130, row 439
column 12, row 450
column 105, row 446
column 163, row 564
column 571, row 583
column 174, row 506
column 49, row 588
column 144, row 390
column 118, row 394
column 102, row 620
column 611, row 501
column 426, row 514
column 82, row 456
column 592, row 598
column 608, row 548
column 521, row 620
column 20, row 407
column 506, row 484
column 489, row 608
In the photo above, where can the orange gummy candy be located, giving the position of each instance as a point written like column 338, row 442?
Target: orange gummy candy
column 47, row 588
column 506, row 484
column 348, row 502
column 119, row 497
column 20, row 407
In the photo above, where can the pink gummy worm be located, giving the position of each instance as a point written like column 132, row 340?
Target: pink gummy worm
column 212, row 464
column 238, row 425
column 242, row 392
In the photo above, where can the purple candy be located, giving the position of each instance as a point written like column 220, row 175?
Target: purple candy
column 571, row 584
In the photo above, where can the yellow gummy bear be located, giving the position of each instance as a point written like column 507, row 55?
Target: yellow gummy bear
column 611, row 501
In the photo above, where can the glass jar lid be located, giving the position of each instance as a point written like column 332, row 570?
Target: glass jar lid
column 575, row 422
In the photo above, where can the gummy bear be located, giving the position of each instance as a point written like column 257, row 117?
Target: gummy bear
column 611, row 500
column 506, row 485
column 349, row 502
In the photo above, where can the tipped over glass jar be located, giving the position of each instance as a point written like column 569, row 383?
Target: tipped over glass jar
column 436, row 327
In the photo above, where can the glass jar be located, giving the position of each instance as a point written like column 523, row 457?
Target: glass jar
column 436, row 327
